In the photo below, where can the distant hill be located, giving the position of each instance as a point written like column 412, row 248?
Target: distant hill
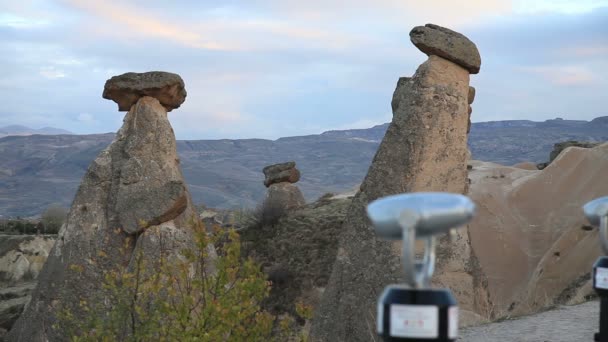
column 22, row 130
column 38, row 170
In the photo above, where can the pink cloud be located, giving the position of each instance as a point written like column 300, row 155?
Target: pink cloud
column 136, row 20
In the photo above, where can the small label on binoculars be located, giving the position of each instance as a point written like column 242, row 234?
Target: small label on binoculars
column 601, row 278
column 417, row 321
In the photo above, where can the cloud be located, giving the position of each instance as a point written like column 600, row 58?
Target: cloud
column 138, row 21
column 51, row 72
column 86, row 118
column 270, row 68
column 569, row 75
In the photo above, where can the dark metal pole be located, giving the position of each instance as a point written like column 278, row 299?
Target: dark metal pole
column 603, row 334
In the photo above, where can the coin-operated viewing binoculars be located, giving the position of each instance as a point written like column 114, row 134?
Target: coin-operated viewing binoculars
column 413, row 311
column 596, row 212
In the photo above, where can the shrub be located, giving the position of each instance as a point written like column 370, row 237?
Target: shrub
column 53, row 218
column 179, row 298
column 268, row 213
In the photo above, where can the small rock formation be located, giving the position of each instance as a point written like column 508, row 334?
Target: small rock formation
column 127, row 89
column 560, row 146
column 132, row 193
column 424, row 149
column 282, row 194
column 283, row 172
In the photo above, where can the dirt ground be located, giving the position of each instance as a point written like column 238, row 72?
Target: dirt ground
column 564, row 324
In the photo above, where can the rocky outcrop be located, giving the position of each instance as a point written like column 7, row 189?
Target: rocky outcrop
column 12, row 301
column 530, row 236
column 21, row 259
column 443, row 42
column 132, row 193
column 127, row 89
column 298, row 252
column 22, row 256
column 424, row 149
column 283, row 172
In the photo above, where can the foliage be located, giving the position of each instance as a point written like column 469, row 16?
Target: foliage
column 53, row 218
column 19, row 226
column 194, row 295
column 266, row 214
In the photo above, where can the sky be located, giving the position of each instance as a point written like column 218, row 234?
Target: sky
column 274, row 68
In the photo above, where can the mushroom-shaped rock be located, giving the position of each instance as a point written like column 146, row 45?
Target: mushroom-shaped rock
column 283, row 172
column 443, row 42
column 126, row 89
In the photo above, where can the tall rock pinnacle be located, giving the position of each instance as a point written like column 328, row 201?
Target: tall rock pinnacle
column 424, row 149
column 132, row 193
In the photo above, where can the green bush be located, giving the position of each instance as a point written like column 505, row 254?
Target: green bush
column 180, row 299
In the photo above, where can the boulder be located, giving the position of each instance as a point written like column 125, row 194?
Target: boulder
column 424, row 149
column 127, row 89
column 131, row 194
column 443, row 42
column 283, row 172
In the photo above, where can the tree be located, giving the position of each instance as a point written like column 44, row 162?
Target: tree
column 179, row 299
column 53, row 218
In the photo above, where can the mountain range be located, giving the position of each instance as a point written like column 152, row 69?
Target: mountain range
column 39, row 170
column 22, row 130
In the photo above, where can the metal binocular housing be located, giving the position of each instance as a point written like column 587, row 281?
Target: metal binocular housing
column 419, row 216
column 596, row 212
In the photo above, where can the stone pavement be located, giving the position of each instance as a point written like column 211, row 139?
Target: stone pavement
column 565, row 324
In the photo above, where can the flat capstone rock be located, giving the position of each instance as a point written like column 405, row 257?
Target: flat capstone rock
column 445, row 43
column 127, row 89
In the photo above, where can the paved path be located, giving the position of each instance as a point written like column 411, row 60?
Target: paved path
column 565, row 324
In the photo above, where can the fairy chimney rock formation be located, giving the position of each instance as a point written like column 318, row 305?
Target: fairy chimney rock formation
column 424, row 149
column 127, row 89
column 131, row 194
column 282, row 193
